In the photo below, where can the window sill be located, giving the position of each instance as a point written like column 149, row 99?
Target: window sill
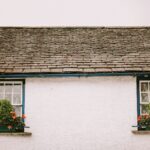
column 141, row 132
column 16, row 134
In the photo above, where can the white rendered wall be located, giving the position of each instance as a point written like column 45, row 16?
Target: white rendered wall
column 94, row 113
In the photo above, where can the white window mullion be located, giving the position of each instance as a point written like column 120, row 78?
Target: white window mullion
column 4, row 90
column 148, row 93
column 12, row 93
column 21, row 93
column 148, row 90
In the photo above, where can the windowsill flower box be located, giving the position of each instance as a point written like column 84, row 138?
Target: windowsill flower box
column 9, row 121
column 144, row 122
column 4, row 128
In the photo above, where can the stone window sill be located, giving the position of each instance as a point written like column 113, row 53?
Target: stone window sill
column 16, row 134
column 140, row 132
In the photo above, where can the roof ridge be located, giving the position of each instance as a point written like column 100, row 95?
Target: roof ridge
column 78, row 27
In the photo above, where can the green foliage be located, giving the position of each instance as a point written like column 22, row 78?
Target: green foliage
column 144, row 119
column 5, row 107
column 144, row 122
column 147, row 108
column 8, row 117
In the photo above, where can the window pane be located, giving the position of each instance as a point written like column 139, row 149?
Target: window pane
column 8, row 97
column 1, row 96
column 145, row 109
column 8, row 88
column 1, row 87
column 144, row 97
column 16, row 99
column 18, row 110
column 149, row 86
column 144, row 87
column 17, row 88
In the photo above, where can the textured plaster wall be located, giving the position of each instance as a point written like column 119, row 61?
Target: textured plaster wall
column 94, row 113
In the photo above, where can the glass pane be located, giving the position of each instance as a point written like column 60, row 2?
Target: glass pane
column 144, row 97
column 16, row 99
column 8, row 97
column 1, row 87
column 8, row 88
column 18, row 110
column 1, row 96
column 17, row 88
column 144, row 87
column 145, row 109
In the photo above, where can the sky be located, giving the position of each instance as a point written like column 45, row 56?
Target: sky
column 74, row 12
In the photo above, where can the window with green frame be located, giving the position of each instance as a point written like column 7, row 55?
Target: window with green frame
column 143, row 102
column 13, row 90
column 144, row 88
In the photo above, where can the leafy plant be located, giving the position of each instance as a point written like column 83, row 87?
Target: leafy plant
column 9, row 118
column 5, row 107
column 144, row 122
column 144, row 119
column 147, row 108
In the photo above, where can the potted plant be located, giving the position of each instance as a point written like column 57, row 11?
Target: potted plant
column 144, row 122
column 9, row 121
column 144, row 119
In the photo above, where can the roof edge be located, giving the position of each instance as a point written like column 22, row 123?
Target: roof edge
column 44, row 75
column 75, row 27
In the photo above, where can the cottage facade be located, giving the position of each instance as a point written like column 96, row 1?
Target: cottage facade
column 80, row 88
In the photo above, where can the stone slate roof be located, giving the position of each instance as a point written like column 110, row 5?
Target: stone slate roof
column 76, row 49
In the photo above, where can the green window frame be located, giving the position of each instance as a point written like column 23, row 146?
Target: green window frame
column 11, row 83
column 143, row 101
column 143, row 95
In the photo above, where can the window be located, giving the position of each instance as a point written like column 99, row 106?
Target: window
column 12, row 91
column 144, row 96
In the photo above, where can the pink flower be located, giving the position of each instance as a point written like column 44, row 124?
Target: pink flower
column 23, row 116
column 9, row 127
column 139, row 118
